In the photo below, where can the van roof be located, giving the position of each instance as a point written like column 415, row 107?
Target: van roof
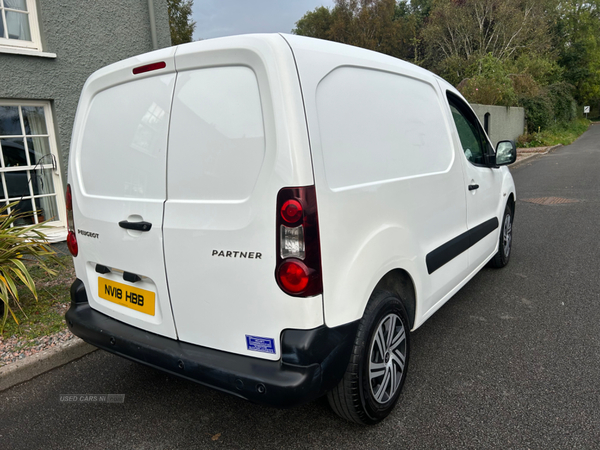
column 276, row 41
column 354, row 54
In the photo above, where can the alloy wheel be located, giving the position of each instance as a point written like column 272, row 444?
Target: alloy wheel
column 387, row 358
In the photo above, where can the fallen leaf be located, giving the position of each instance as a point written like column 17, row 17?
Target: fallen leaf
column 216, row 436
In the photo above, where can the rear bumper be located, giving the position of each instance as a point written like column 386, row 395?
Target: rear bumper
column 312, row 362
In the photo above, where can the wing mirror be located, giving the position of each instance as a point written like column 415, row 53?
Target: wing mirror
column 506, row 153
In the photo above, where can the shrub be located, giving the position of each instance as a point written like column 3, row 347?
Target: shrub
column 525, row 85
column 491, row 85
column 564, row 105
column 488, row 91
column 561, row 133
column 538, row 112
column 20, row 247
column 553, row 105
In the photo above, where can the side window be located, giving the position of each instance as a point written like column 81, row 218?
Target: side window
column 19, row 25
column 468, row 132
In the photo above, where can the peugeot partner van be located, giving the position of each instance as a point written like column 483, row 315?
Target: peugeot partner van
column 271, row 215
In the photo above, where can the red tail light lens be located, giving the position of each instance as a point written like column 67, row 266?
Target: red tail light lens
column 291, row 211
column 293, row 276
column 71, row 237
column 72, row 243
column 149, row 67
column 298, row 271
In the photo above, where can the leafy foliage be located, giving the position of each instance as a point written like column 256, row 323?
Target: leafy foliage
column 20, row 247
column 182, row 27
column 46, row 314
column 315, row 23
column 492, row 84
column 471, row 29
column 560, row 133
column 564, row 105
column 538, row 112
column 578, row 43
column 381, row 25
column 553, row 104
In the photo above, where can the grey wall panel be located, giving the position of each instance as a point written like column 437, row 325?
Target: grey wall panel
column 504, row 122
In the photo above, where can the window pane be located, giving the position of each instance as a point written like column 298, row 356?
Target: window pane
column 24, row 206
column 47, row 209
column 39, row 150
column 17, row 25
column 2, row 196
column 13, row 151
column 10, row 123
column 17, row 184
column 16, row 4
column 33, row 119
column 469, row 137
column 42, row 182
column 1, row 26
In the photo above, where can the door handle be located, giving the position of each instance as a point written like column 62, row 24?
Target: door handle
column 138, row 226
column 472, row 187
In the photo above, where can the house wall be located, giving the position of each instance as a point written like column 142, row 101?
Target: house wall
column 85, row 35
column 505, row 122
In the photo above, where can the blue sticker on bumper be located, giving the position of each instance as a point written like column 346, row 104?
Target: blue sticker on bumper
column 260, row 344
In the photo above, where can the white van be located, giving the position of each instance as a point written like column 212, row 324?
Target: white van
column 270, row 215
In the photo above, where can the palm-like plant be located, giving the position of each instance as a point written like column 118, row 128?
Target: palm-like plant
column 19, row 244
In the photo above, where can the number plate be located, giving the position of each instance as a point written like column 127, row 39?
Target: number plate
column 137, row 299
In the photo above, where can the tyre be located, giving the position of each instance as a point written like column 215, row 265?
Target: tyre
column 501, row 258
column 376, row 372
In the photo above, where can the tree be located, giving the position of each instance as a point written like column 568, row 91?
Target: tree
column 421, row 7
column 380, row 25
column 182, row 27
column 459, row 33
column 491, row 86
column 315, row 23
column 578, row 36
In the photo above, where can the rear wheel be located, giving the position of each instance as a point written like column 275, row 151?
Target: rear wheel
column 501, row 258
column 377, row 369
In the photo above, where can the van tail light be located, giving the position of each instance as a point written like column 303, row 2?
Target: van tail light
column 149, row 67
column 71, row 237
column 298, row 271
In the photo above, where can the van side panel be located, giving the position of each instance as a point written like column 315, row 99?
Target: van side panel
column 369, row 138
column 237, row 137
column 389, row 186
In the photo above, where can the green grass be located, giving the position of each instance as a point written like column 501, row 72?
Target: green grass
column 46, row 315
column 564, row 134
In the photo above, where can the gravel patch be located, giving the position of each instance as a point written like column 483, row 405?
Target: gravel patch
column 16, row 348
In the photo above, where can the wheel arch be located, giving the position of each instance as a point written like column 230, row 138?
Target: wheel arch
column 399, row 282
column 511, row 204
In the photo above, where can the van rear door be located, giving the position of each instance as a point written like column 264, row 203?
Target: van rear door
column 237, row 137
column 118, row 179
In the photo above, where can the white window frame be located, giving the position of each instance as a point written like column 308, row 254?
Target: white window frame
column 36, row 42
column 58, row 230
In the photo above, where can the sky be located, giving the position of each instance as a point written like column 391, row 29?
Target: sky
column 215, row 18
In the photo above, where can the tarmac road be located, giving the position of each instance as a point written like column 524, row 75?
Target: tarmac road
column 512, row 361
